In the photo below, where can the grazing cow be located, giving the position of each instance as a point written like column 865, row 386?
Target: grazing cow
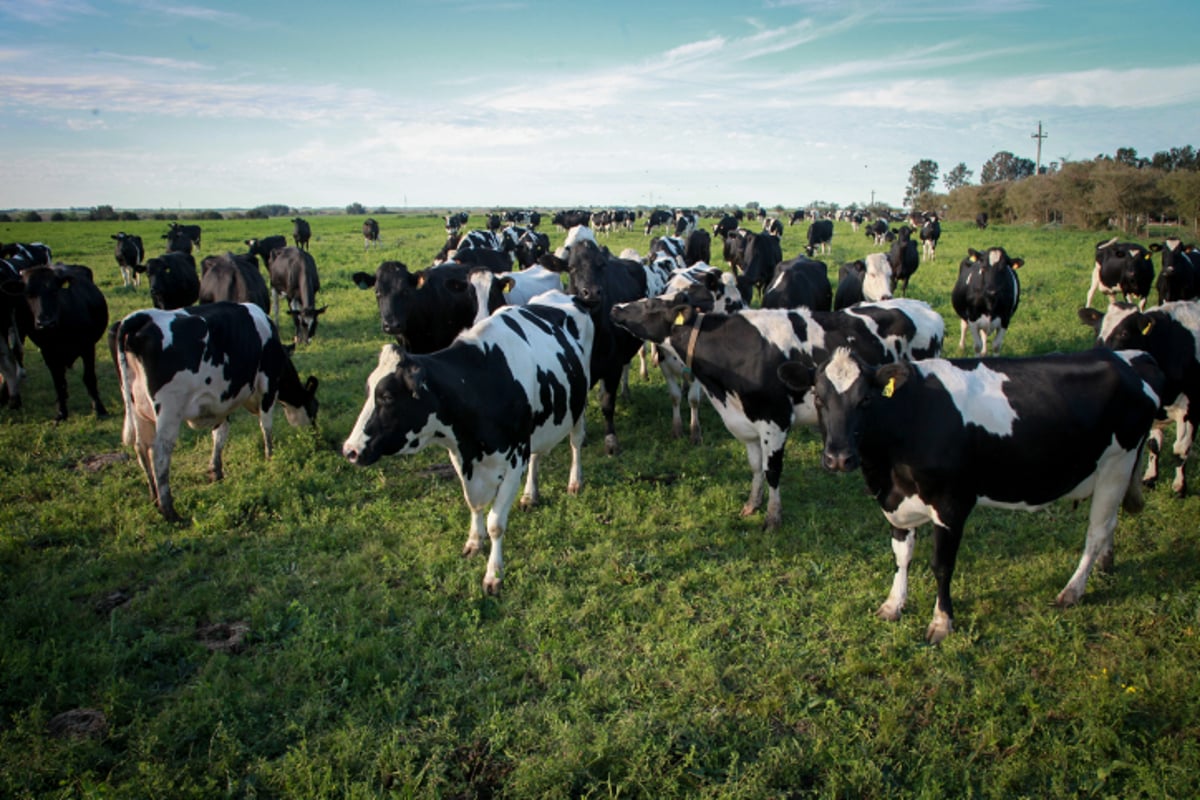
column 301, row 232
column 773, row 226
column 981, row 220
column 65, row 314
column 931, row 231
column 262, row 248
column 1179, row 278
column 601, row 221
column 192, row 232
column 293, row 275
column 27, row 254
column 493, row 222
column 800, row 282
column 130, row 253
column 735, row 358
column 797, row 216
column 685, row 223
column 727, row 225
column 528, row 372
column 878, row 230
column 820, row 235
column 698, row 249
column 904, row 257
column 426, row 309
column 658, row 218
column 173, row 280
column 937, row 438
column 12, row 354
column 528, row 218
column 370, row 231
column 709, row 290
column 235, row 279
column 755, row 256
column 455, row 221
column 571, row 219
column 599, row 280
column 199, row 365
column 1170, row 333
column 178, row 242
column 986, row 296
column 1123, row 267
column 856, row 219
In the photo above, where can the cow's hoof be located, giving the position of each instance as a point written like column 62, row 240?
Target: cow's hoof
column 1067, row 597
column 470, row 549
column 527, row 502
column 610, row 445
column 492, row 586
column 14, row 403
column 1105, row 562
column 1150, row 483
column 696, row 438
column 101, row 412
column 939, row 629
column 574, row 488
column 748, row 509
column 889, row 612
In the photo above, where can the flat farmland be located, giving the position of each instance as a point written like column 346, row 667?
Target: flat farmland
column 313, row 632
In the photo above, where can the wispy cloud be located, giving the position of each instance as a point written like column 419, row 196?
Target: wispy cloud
column 46, row 12
column 195, row 13
column 153, row 61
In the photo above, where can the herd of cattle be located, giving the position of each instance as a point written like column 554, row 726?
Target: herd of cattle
column 530, row 330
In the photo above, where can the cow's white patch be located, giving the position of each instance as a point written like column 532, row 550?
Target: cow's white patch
column 842, row 371
column 912, row 512
column 994, row 257
column 776, row 327
column 978, row 394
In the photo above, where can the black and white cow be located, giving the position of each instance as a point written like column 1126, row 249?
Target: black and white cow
column 478, row 248
column 797, row 216
column 1170, row 333
column 869, row 278
column 301, row 233
column 1124, row 267
column 753, row 258
column 293, row 276
column 904, row 257
column 262, row 248
column 685, row 223
column 820, row 236
column 529, row 376
column 986, row 296
column 199, row 365
column 658, row 218
column 931, row 232
column 495, row 289
column 130, row 253
column 27, row 254
column 878, row 230
column 455, row 221
column 725, row 226
column 937, row 438
column 571, row 218
column 798, row 282
column 773, row 226
column 233, row 278
column 524, row 244
column 370, row 232
column 1179, row 278
column 64, row 314
column 735, row 358
column 173, row 280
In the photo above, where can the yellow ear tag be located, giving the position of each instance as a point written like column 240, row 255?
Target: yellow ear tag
column 507, row 288
column 889, row 388
column 1146, row 330
column 679, row 318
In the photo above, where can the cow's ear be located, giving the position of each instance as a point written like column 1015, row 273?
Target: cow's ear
column 973, row 254
column 363, row 280
column 12, row 288
column 418, row 278
column 289, row 348
column 1146, row 327
column 320, row 310
column 1156, row 247
column 413, row 375
column 1017, row 263
column 1092, row 317
column 506, row 284
column 796, row 375
column 712, row 280
column 553, row 263
column 682, row 314
column 311, row 384
column 891, row 377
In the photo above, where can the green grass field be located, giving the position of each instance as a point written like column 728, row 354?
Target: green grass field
column 314, row 633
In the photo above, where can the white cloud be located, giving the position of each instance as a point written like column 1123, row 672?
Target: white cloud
column 46, row 12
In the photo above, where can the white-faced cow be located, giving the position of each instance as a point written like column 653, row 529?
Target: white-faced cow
column 820, row 237
column 293, row 276
column 455, row 222
column 370, row 232
column 1170, row 333
column 233, row 278
column 800, row 281
column 173, row 280
column 735, row 358
column 527, row 369
column 937, row 438
column 262, row 248
column 301, row 233
column 869, row 278
column 986, row 296
column 65, row 314
column 199, row 365
column 1124, row 267
column 130, row 253
column 1179, row 278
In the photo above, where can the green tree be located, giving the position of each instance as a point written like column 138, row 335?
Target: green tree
column 921, row 179
column 356, row 209
column 1004, row 166
column 958, row 176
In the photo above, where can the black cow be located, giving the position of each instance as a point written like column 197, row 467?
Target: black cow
column 173, row 280
column 797, row 216
column 571, row 218
column 727, row 225
column 1171, row 334
column 820, row 235
column 235, row 279
column 658, row 218
column 773, row 226
column 301, row 232
column 192, row 232
column 27, row 254
column 981, row 220
column 986, row 296
column 1179, row 278
column 12, row 355
column 735, row 358
column 262, row 248
column 293, row 276
column 937, row 438
column 800, row 282
column 370, row 232
column 904, row 257
column 698, row 249
column 65, row 314
column 850, row 284
column 931, row 231
column 753, row 258
column 199, row 365
column 1124, row 267
column 129, row 253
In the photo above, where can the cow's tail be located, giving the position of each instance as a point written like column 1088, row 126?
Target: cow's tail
column 124, row 338
column 1134, row 502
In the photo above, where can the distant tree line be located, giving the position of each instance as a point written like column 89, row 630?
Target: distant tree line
column 1122, row 190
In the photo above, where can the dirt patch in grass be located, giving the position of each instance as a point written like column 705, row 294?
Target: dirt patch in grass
column 78, row 723
column 223, row 637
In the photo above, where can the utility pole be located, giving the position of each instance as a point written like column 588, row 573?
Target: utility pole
column 1039, row 136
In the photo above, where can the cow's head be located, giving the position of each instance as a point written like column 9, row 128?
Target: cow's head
column 1121, row 327
column 843, row 387
column 306, row 320
column 587, row 267
column 397, row 410
column 165, row 273
column 41, row 288
column 878, row 279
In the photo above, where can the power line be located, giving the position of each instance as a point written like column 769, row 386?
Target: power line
column 1039, row 136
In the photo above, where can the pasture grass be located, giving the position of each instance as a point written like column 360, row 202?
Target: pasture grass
column 314, row 633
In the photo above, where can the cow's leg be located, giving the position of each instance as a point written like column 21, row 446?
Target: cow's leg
column 945, row 553
column 219, row 436
column 1185, row 431
column 166, row 432
column 576, row 438
column 608, row 406
column 1095, row 285
column 10, row 372
column 89, row 381
column 58, row 376
column 903, row 544
column 694, row 393
column 671, row 376
column 497, row 524
column 1112, row 481
column 1154, row 443
column 979, row 336
column 998, row 340
column 143, row 436
column 266, row 422
column 772, row 446
column 625, row 383
column 962, row 337
column 754, row 455
column 530, row 497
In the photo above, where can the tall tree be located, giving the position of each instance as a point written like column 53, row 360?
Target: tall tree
column 958, row 176
column 1004, row 166
column 921, row 178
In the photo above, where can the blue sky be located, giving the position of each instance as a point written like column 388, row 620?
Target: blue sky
column 206, row 104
